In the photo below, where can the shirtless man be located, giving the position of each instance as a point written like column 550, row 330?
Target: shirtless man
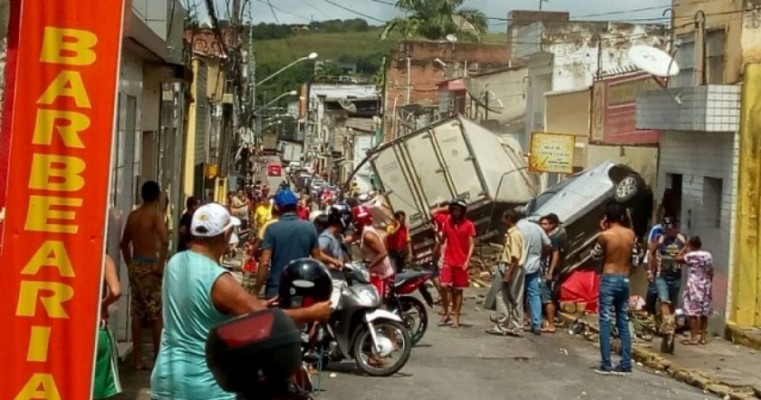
column 615, row 246
column 144, row 248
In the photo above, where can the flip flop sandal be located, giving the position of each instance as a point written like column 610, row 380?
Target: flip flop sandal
column 547, row 330
column 445, row 322
column 689, row 343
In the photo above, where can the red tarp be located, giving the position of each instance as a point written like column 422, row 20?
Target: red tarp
column 581, row 286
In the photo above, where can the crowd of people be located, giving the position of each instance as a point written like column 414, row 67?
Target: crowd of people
column 182, row 299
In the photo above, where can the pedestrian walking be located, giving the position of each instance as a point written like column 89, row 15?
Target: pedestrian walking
column 696, row 299
column 144, row 246
column 615, row 246
column 666, row 271
column 535, row 243
column 507, row 287
column 198, row 295
column 458, row 238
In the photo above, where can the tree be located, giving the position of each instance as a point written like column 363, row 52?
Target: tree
column 435, row 19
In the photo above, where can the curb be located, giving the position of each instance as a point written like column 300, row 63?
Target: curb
column 740, row 336
column 681, row 373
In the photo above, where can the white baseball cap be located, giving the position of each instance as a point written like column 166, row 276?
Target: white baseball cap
column 211, row 220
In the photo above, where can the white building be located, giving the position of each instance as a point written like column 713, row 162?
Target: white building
column 149, row 123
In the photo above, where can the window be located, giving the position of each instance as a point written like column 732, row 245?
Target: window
column 715, row 56
column 685, row 58
column 713, row 189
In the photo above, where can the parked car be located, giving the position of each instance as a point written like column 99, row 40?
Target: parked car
column 316, row 185
column 580, row 202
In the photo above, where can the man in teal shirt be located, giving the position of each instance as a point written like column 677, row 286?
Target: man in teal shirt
column 199, row 294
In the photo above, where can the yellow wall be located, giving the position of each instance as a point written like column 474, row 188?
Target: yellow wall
column 746, row 274
column 190, row 138
column 569, row 112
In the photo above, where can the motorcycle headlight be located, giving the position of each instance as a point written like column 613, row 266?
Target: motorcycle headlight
column 366, row 295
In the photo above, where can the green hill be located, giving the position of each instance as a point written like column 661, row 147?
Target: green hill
column 363, row 47
column 332, row 46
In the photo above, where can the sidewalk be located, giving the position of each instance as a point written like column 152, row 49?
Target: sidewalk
column 721, row 367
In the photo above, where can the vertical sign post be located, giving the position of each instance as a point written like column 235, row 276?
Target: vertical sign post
column 60, row 119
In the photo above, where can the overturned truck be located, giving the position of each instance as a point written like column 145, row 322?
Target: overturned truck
column 452, row 158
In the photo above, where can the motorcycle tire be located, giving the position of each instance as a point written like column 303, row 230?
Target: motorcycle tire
column 364, row 335
column 410, row 305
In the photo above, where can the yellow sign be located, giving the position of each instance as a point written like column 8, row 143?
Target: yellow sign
column 552, row 152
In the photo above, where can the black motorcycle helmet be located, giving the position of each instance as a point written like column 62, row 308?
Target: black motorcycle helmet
column 458, row 203
column 304, row 282
column 339, row 214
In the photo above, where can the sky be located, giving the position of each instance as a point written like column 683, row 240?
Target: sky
column 304, row 11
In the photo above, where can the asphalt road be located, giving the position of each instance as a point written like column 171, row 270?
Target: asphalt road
column 466, row 363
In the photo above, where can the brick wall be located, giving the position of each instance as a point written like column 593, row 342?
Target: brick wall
column 697, row 156
column 426, row 73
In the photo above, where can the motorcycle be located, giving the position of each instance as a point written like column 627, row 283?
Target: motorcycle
column 358, row 329
column 401, row 302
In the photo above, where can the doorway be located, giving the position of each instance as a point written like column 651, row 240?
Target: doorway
column 671, row 203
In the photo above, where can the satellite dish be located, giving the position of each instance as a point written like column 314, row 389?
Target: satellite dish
column 451, row 38
column 483, row 96
column 653, row 61
column 347, row 105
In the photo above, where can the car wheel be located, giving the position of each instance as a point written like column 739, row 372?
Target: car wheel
column 629, row 187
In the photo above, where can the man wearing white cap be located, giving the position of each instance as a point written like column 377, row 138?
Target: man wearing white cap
column 199, row 294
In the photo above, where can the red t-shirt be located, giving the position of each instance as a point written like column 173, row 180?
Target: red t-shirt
column 457, row 238
column 302, row 212
column 398, row 241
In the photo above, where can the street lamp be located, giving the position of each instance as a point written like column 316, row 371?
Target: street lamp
column 291, row 93
column 310, row 56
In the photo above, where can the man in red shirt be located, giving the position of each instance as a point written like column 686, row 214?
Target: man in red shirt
column 398, row 242
column 458, row 239
column 303, row 209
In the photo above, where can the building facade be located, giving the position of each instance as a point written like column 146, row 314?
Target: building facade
column 565, row 55
column 152, row 60
column 700, row 120
column 414, row 70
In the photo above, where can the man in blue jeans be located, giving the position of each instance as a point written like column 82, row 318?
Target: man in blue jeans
column 535, row 242
column 615, row 246
column 666, row 272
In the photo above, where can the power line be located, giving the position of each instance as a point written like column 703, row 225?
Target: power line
column 274, row 7
column 333, row 3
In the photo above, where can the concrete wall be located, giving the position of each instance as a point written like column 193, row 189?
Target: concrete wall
column 568, row 112
column 511, row 87
column 577, row 57
column 697, row 156
column 751, row 39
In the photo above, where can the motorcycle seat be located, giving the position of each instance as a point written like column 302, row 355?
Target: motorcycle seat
column 400, row 278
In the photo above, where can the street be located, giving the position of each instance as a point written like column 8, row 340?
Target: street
column 465, row 363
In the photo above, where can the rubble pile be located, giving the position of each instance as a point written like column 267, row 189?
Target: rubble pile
column 485, row 258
